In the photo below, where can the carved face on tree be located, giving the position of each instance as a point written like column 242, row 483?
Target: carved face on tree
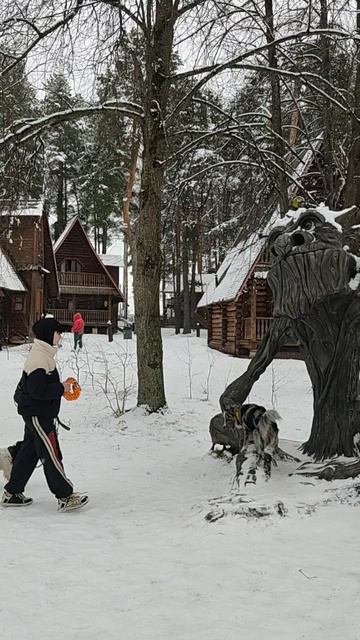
column 308, row 263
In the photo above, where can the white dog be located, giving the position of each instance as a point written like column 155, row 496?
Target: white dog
column 5, row 463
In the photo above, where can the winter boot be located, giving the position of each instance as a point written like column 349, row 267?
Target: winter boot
column 15, row 500
column 5, row 463
column 75, row 501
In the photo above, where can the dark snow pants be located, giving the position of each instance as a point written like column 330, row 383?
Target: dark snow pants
column 14, row 449
column 40, row 442
column 78, row 340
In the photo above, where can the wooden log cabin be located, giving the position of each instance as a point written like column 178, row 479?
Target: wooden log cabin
column 239, row 302
column 28, row 276
column 86, row 284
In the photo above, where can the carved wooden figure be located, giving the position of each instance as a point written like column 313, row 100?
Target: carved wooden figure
column 316, row 299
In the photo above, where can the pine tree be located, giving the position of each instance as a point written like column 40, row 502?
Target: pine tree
column 20, row 167
column 104, row 162
column 63, row 154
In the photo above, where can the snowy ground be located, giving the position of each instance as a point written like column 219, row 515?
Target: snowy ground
column 142, row 562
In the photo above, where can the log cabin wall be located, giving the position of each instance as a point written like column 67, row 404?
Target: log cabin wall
column 216, row 323
column 24, row 244
column 229, row 313
column 15, row 318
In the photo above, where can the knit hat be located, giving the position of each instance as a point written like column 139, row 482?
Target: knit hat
column 45, row 328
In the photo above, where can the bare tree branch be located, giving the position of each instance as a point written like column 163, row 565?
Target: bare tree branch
column 41, row 35
column 25, row 130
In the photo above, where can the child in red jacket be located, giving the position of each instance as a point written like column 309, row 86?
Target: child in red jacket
column 78, row 329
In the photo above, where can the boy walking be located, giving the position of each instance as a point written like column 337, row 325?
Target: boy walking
column 38, row 397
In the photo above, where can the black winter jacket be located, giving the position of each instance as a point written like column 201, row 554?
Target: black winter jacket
column 39, row 391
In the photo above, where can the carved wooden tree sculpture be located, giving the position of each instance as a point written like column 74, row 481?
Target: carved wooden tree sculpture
column 309, row 277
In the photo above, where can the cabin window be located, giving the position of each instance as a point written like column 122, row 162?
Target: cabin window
column 18, row 304
column 70, row 265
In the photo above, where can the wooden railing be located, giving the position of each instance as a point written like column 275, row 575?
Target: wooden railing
column 93, row 318
column 262, row 326
column 70, row 279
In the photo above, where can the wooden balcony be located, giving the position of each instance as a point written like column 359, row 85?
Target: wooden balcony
column 79, row 283
column 92, row 318
column 79, row 279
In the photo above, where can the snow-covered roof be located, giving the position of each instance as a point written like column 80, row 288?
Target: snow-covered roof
column 110, row 260
column 29, row 208
column 232, row 272
column 8, row 276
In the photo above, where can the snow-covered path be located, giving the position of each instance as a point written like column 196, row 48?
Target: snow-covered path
column 141, row 562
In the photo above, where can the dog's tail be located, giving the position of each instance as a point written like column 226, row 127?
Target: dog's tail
column 268, row 420
column 271, row 416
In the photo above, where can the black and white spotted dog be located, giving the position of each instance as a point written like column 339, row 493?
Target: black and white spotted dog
column 260, row 438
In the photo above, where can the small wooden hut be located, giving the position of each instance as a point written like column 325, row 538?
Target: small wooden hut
column 239, row 301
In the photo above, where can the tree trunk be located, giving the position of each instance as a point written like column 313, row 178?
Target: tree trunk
column 186, row 288
column 295, row 114
column 193, row 295
column 276, row 115
column 326, row 112
column 125, row 282
column 352, row 185
column 60, row 217
column 129, row 243
column 147, row 271
column 104, row 238
column 163, row 294
column 177, row 292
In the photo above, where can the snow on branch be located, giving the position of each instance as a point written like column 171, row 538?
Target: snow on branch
column 211, row 71
column 26, row 129
column 223, row 163
column 305, row 75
